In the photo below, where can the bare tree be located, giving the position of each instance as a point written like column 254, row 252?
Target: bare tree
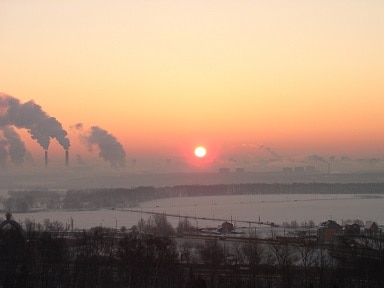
column 307, row 260
column 284, row 259
column 212, row 253
column 185, row 226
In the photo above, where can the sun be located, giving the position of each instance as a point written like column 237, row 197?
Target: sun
column 200, row 152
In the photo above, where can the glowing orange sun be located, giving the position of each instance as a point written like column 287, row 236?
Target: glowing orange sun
column 200, row 152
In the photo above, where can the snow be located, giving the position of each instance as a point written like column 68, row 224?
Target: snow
column 270, row 208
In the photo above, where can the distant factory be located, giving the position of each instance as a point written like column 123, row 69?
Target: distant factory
column 66, row 158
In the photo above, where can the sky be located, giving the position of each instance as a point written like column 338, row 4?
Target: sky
column 249, row 80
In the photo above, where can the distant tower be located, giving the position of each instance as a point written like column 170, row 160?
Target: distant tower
column 46, row 158
column 66, row 157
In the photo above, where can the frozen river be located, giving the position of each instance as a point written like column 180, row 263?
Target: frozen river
column 267, row 208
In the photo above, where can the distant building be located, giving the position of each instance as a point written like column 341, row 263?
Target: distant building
column 327, row 230
column 371, row 229
column 224, row 171
column 10, row 224
column 226, row 227
column 352, row 229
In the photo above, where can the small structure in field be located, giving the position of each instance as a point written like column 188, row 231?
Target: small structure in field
column 352, row 229
column 226, row 228
column 328, row 230
column 371, row 229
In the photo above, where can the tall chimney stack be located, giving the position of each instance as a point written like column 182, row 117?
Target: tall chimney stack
column 66, row 157
column 46, row 158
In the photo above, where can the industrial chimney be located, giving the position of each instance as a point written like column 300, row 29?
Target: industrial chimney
column 66, row 157
column 46, row 158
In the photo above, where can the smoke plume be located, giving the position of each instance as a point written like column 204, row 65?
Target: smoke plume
column 16, row 147
column 265, row 148
column 269, row 150
column 3, row 153
column 110, row 149
column 30, row 116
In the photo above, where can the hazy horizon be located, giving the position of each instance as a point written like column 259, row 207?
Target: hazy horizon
column 135, row 87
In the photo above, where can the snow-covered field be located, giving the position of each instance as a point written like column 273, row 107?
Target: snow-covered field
column 267, row 208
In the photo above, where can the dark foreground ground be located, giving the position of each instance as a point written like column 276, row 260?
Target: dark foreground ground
column 49, row 257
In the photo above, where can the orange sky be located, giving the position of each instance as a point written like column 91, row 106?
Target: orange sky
column 302, row 77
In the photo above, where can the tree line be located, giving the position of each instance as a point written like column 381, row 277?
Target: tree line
column 25, row 201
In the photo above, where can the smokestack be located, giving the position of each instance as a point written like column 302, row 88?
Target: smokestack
column 46, row 158
column 329, row 168
column 66, row 157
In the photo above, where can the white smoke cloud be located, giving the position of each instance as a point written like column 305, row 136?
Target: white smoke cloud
column 16, row 147
column 3, row 153
column 110, row 149
column 31, row 116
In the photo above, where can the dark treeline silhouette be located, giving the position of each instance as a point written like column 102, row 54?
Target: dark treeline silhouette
column 24, row 201
column 45, row 255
